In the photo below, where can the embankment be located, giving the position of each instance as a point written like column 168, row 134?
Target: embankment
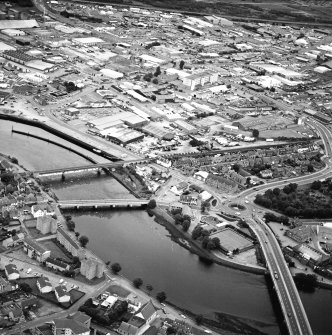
column 59, row 133
column 166, row 220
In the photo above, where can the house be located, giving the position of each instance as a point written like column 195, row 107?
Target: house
column 29, row 302
column 35, row 250
column 5, row 286
column 127, row 329
column 188, row 200
column 13, row 241
column 74, row 324
column 16, row 314
column 266, row 173
column 44, row 285
column 41, row 210
column 148, row 312
column 61, row 294
column 201, row 175
column 11, row 272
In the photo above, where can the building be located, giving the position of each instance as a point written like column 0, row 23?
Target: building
column 69, row 243
column 200, row 79
column 148, row 312
column 74, row 324
column 201, row 175
column 57, row 265
column 300, row 234
column 46, row 224
column 11, row 272
column 41, row 210
column 127, row 329
column 5, row 286
column 35, row 250
column 92, row 267
column 16, row 314
column 44, row 285
column 13, row 241
column 61, row 294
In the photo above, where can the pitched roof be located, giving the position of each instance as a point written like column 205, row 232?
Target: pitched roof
column 68, row 238
column 127, row 328
column 44, row 282
column 61, row 291
column 11, row 268
column 75, row 326
column 34, row 245
column 147, row 311
column 57, row 262
column 79, row 317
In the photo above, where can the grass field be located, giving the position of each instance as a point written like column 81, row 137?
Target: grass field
column 56, row 252
column 230, row 240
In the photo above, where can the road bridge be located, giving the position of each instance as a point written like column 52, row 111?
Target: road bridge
column 102, row 203
column 289, row 298
column 89, row 167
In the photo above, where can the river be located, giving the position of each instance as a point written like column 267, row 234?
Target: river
column 145, row 249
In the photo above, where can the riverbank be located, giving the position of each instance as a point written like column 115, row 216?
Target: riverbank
column 162, row 217
column 59, row 133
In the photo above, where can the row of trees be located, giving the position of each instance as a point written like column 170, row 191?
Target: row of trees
column 84, row 240
column 180, row 219
column 207, row 243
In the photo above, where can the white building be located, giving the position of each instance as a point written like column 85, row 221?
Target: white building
column 44, row 285
column 61, row 294
column 41, row 210
column 200, row 79
column 11, row 272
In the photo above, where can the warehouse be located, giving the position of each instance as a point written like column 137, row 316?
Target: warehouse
column 131, row 119
column 158, row 131
column 185, row 126
column 122, row 136
column 88, row 40
column 111, row 74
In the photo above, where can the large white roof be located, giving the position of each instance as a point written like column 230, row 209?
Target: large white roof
column 18, row 24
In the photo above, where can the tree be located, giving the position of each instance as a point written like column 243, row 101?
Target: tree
column 158, row 72
column 84, row 240
column 108, row 263
column 310, row 168
column 255, row 133
column 25, row 287
column 155, row 81
column 149, row 288
column 138, row 282
column 170, row 331
column 181, row 64
column 276, row 191
column 178, row 219
column 205, row 206
column 152, row 204
column 185, row 225
column 116, row 268
column 161, row 296
column 236, row 167
column 77, row 234
column 305, row 282
column 199, row 319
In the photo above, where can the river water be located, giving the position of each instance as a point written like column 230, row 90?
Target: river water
column 145, row 249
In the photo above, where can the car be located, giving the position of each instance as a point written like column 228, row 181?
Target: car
column 289, row 314
column 207, row 331
column 183, row 316
column 162, row 304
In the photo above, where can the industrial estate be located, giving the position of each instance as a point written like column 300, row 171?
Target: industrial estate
column 219, row 129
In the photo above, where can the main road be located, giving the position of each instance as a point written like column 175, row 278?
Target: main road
column 293, row 310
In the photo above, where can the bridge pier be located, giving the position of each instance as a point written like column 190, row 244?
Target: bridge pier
column 98, row 172
column 63, row 178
